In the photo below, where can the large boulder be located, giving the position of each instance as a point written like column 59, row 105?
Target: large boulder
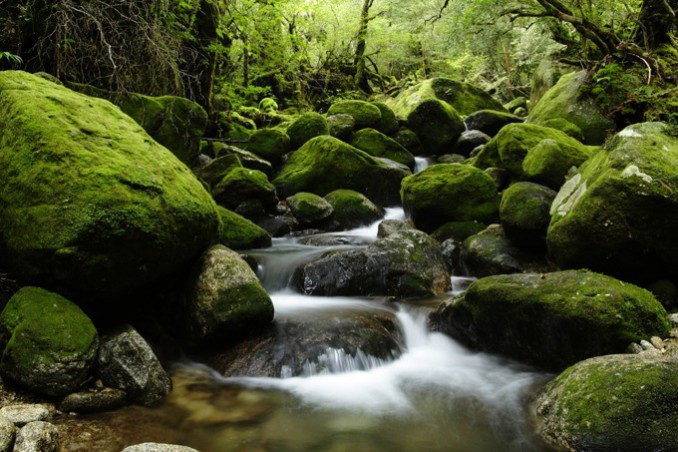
column 615, row 402
column 364, row 113
column 406, row 263
column 237, row 232
column 549, row 162
column 567, row 100
column 225, row 300
column 377, row 144
column 510, row 146
column 269, row 144
column 490, row 121
column 435, row 122
column 553, row 319
column 305, row 127
column 352, row 209
column 240, row 185
column 325, row 164
column 449, row 192
column 88, row 200
column 48, row 343
column 309, row 210
column 525, row 213
column 619, row 214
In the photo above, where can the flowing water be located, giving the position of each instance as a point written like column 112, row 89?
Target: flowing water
column 434, row 395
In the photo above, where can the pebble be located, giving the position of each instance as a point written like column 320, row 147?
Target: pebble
column 93, row 401
column 37, row 437
column 7, row 432
column 657, row 342
column 23, row 414
column 158, row 447
column 647, row 345
column 634, row 348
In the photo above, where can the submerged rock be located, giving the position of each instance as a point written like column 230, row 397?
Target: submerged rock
column 88, row 200
column 552, row 319
column 48, row 343
column 617, row 402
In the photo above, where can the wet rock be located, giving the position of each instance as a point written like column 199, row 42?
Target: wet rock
column 127, row 362
column 214, row 170
column 37, row 437
column 490, row 122
column 468, row 141
column 451, row 158
column 404, row 264
column 309, row 209
column 552, row 319
column 278, row 225
column 23, row 414
column 524, row 212
column 388, row 228
column 7, row 433
column 238, row 233
column 93, row 401
column 158, row 447
column 351, row 210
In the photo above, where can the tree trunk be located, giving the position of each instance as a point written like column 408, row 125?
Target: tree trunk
column 657, row 19
column 360, row 80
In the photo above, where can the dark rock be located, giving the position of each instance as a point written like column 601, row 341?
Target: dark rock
column 341, row 126
column 524, row 213
column 490, row 122
column 468, row 141
column 279, row 225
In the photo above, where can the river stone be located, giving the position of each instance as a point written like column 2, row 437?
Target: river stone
column 238, row 233
column 225, row 299
column 552, row 319
column 88, row 200
column 377, row 144
column 307, row 126
column 567, row 100
column 269, row 144
column 616, row 402
column 127, row 362
column 408, row 263
column 619, row 214
column 325, row 164
column 93, row 401
column 467, row 142
column 364, row 113
column 37, row 437
column 524, row 213
column 309, row 209
column 240, row 185
column 513, row 142
column 21, row 415
column 388, row 124
column 550, row 162
column 48, row 343
column 7, row 433
column 341, row 126
column 449, row 192
column 351, row 210
column 158, row 447
column 490, row 122
column 491, row 252
column 247, row 158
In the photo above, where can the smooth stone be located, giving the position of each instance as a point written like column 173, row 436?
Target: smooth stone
column 657, row 342
column 646, row 345
column 158, row 447
column 7, row 433
column 674, row 319
column 37, row 437
column 634, row 348
column 21, row 415
column 93, row 401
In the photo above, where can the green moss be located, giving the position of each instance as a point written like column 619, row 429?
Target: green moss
column 215, row 170
column 388, row 124
column 457, row 230
column 524, row 212
column 364, row 113
column 437, row 125
column 565, row 126
column 379, row 145
column 88, row 199
column 325, row 164
column 238, row 233
column 307, row 126
column 449, row 192
column 269, row 144
column 242, row 184
column 352, row 209
column 549, row 162
column 268, row 106
column 309, row 209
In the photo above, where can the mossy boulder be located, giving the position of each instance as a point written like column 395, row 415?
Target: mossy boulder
column 247, row 158
column 567, row 100
column 305, row 127
column 449, row 192
column 240, row 185
column 552, row 320
column 377, row 144
column 490, row 121
column 341, row 126
column 89, row 201
column 352, row 209
column 364, row 113
column 435, row 122
column 309, row 209
column 238, row 233
column 388, row 124
column 615, row 402
column 216, row 169
column 325, row 164
column 510, row 146
column 409, row 140
column 524, row 213
column 269, row 144
column 48, row 343
column 225, row 300
column 565, row 126
column 619, row 214
column 468, row 142
column 549, row 162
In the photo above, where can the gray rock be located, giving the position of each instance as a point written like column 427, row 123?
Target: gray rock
column 93, row 401
column 674, row 319
column 23, row 414
column 37, row 437
column 634, row 348
column 469, row 140
column 127, row 362
column 7, row 433
column 158, row 447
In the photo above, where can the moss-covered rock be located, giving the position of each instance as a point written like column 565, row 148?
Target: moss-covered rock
column 549, row 162
column 388, row 124
column 240, row 185
column 554, row 319
column 89, row 201
column 269, row 144
column 524, row 212
column 467, row 143
column 309, row 209
column 565, row 126
column 325, row 164
column 490, row 121
column 247, row 159
column 619, row 214
column 566, row 100
column 510, row 146
column 48, row 343
column 457, row 230
column 341, row 126
column 409, row 140
column 616, row 402
column 305, row 127
column 225, row 300
column 449, row 192
column 216, row 169
column 364, row 113
column 436, row 123
column 239, row 233
column 515, row 104
column 352, row 209
column 377, row 144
